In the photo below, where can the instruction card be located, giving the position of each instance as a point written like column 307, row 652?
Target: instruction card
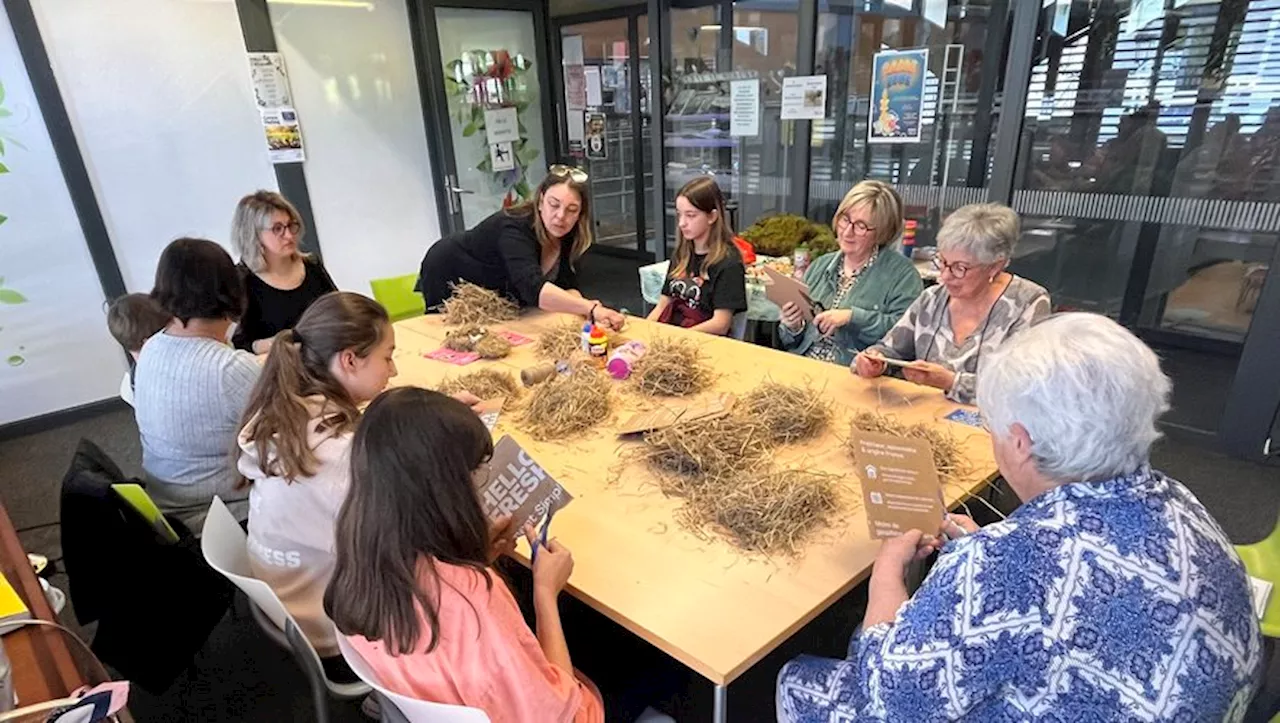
column 781, row 289
column 518, row 486
column 900, row 489
column 488, row 411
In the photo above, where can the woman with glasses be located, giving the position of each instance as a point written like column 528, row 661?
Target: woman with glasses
column 528, row 253
column 280, row 281
column 859, row 291
column 973, row 309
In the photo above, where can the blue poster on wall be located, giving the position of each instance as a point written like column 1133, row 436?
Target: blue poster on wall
column 897, row 96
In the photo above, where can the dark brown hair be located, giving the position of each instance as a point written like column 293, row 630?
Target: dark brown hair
column 134, row 318
column 412, row 504
column 298, row 367
column 584, row 235
column 196, row 279
column 705, row 196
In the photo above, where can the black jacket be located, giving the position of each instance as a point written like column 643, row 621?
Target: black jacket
column 156, row 602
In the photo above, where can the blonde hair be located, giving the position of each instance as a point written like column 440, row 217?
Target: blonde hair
column 252, row 217
column 583, row 234
column 704, row 195
column 884, row 205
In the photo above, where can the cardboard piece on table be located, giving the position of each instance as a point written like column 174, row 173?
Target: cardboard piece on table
column 781, row 289
column 664, row 417
column 513, row 338
column 488, row 411
column 449, row 356
column 520, row 487
column 900, row 489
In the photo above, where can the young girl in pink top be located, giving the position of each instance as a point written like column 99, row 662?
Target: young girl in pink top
column 413, row 589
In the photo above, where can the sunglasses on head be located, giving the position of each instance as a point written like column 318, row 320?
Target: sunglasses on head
column 577, row 175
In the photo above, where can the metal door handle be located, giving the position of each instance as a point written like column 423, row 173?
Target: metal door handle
column 455, row 189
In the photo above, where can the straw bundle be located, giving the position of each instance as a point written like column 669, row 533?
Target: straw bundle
column 947, row 456
column 463, row 338
column 560, row 341
column 565, row 405
column 492, row 346
column 716, row 447
column 471, row 304
column 774, row 511
column 672, row 368
column 484, row 383
column 789, row 413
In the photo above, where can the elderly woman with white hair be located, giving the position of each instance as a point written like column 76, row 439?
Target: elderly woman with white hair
column 973, row 309
column 1110, row 594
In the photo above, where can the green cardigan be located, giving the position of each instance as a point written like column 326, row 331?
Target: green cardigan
column 881, row 296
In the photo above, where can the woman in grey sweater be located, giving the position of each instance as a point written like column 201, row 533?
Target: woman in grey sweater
column 973, row 309
column 191, row 386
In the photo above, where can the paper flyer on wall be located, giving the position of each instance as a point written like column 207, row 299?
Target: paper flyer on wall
column 269, row 80
column 284, row 136
column 897, row 96
column 744, row 107
column 501, row 125
column 900, row 488
column 595, row 93
column 804, row 97
column 520, row 487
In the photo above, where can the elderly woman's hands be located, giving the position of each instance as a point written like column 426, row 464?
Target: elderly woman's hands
column 896, row 553
column 930, row 375
column 868, row 365
column 957, row 525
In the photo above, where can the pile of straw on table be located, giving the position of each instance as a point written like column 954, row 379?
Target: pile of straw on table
column 471, row 304
column 568, row 404
column 484, row 383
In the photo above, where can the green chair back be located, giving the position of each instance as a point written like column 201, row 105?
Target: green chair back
column 396, row 294
column 1262, row 560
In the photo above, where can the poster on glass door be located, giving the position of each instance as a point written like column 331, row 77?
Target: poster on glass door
column 897, row 96
column 597, row 147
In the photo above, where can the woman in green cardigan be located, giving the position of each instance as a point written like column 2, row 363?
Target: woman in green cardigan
column 863, row 288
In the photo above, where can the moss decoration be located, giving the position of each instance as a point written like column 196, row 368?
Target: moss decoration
column 780, row 234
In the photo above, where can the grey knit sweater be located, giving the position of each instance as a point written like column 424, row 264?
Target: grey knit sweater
column 189, row 393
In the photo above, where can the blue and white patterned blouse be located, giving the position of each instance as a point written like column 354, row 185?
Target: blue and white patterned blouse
column 1107, row 601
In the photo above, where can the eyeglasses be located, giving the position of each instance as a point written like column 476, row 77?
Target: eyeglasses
column 957, row 269
column 292, row 227
column 859, row 227
column 576, row 174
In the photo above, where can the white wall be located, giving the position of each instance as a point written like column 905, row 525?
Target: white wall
column 355, row 85
column 158, row 94
column 55, row 351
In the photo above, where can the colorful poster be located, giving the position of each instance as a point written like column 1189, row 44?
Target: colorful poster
column 744, row 107
column 804, row 97
column 284, row 136
column 897, row 96
column 597, row 146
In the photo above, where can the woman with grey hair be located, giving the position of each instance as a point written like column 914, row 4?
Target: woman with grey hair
column 1110, row 594
column 975, row 306
column 280, row 281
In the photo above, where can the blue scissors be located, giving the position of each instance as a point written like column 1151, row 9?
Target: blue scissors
column 542, row 537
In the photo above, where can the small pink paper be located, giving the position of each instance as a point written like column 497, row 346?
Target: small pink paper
column 449, row 356
column 514, row 338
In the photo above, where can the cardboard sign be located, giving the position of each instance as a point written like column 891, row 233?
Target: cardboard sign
column 518, row 486
column 664, row 417
column 782, row 289
column 488, row 411
column 449, row 356
column 513, row 338
column 900, row 489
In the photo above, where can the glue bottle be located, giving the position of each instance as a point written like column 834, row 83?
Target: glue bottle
column 598, row 346
column 624, row 359
column 586, row 337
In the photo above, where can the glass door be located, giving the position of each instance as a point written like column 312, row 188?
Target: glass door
column 486, row 75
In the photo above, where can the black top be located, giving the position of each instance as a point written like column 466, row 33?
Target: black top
column 695, row 296
column 271, row 310
column 501, row 253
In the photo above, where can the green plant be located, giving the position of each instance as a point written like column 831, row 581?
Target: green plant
column 8, row 296
column 780, row 234
column 483, row 80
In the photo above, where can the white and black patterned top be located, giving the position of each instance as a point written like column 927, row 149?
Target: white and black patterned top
column 924, row 332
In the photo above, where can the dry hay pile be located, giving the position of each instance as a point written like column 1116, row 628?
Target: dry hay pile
column 471, row 304
column 464, row 337
column 947, row 456
column 484, row 383
column 672, row 368
column 492, row 346
column 788, row 412
column 567, row 404
column 560, row 341
column 721, row 469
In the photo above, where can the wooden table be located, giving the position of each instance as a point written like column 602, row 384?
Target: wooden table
column 43, row 666
column 703, row 602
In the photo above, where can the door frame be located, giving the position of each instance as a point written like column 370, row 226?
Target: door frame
column 435, row 108
column 632, row 14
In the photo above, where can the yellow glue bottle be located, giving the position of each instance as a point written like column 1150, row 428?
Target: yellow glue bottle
column 598, row 346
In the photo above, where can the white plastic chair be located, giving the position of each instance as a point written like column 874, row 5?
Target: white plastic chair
column 738, row 326
column 223, row 544
column 410, row 710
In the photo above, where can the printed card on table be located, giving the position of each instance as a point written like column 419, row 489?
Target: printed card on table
column 488, row 411
column 449, row 356
column 520, row 487
column 900, row 489
column 970, row 417
column 513, row 338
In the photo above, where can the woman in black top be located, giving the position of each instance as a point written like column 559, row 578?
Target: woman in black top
column 527, row 253
column 280, row 282
column 707, row 282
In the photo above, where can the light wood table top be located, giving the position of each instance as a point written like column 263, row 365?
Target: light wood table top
column 703, row 602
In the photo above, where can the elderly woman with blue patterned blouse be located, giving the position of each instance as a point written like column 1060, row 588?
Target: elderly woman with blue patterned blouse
column 1109, row 595
column 975, row 306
